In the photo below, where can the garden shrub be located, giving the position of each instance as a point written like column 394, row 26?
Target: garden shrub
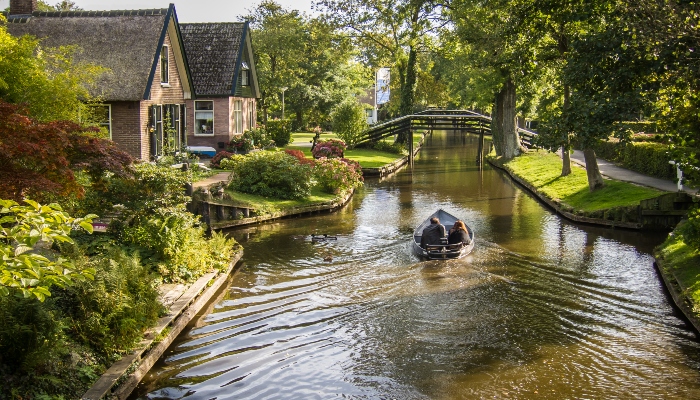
column 280, row 131
column 270, row 174
column 300, row 156
column 240, row 145
column 331, row 148
column 690, row 229
column 394, row 148
column 218, row 157
column 643, row 157
column 349, row 121
column 336, row 175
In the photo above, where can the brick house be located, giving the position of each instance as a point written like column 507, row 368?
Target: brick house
column 220, row 57
column 147, row 96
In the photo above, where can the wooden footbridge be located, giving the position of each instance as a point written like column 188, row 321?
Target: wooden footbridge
column 461, row 120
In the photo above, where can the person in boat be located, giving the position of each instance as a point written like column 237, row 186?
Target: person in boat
column 433, row 233
column 459, row 234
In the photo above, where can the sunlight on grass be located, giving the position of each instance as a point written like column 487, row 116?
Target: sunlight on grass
column 268, row 204
column 368, row 158
column 686, row 266
column 543, row 170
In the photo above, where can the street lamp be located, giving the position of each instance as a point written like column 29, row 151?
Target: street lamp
column 283, row 89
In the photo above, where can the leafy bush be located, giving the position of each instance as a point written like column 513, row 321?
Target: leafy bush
column 24, row 229
column 280, row 131
column 110, row 313
column 336, row 175
column 690, row 230
column 349, row 121
column 394, row 148
column 240, row 145
column 270, row 174
column 218, row 157
column 643, row 157
column 331, row 148
column 299, row 155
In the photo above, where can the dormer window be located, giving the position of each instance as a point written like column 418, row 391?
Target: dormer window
column 245, row 74
column 164, row 68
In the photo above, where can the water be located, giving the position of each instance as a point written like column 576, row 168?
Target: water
column 541, row 308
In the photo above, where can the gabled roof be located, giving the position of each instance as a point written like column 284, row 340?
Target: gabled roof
column 128, row 42
column 215, row 52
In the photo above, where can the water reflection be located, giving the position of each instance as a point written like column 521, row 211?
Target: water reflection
column 541, row 308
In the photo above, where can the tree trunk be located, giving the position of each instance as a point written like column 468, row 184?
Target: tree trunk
column 566, row 161
column 595, row 179
column 497, row 124
column 565, row 156
column 511, row 138
column 408, row 91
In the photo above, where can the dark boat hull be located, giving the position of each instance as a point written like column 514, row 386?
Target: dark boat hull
column 445, row 251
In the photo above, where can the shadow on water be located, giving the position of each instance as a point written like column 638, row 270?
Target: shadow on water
column 541, row 309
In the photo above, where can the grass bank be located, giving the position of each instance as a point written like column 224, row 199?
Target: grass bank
column 272, row 205
column 543, row 171
column 368, row 158
column 680, row 263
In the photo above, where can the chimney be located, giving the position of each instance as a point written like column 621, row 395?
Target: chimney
column 22, row 7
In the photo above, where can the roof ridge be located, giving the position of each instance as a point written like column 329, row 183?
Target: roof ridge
column 108, row 13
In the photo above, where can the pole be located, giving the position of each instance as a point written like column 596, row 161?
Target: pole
column 283, row 90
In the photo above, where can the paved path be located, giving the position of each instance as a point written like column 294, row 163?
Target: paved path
column 220, row 177
column 610, row 170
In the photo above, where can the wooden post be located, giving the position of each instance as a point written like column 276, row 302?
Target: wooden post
column 480, row 155
column 410, row 147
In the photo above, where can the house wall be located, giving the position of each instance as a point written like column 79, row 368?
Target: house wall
column 126, row 125
column 222, row 128
column 170, row 93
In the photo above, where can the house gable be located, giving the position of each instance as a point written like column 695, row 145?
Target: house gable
column 215, row 52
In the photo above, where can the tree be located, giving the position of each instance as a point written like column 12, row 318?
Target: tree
column 25, row 229
column 49, row 81
column 349, row 121
column 391, row 33
column 307, row 58
column 39, row 160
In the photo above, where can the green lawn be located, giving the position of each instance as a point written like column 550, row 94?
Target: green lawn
column 270, row 205
column 368, row 158
column 684, row 263
column 543, row 169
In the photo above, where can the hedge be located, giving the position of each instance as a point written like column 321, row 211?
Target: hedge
column 644, row 157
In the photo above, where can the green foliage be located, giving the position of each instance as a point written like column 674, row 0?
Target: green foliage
column 50, row 81
column 23, row 231
column 690, row 230
column 335, row 175
column 394, row 148
column 110, row 313
column 349, row 121
column 216, row 160
column 644, row 157
column 272, row 174
column 151, row 187
column 279, row 131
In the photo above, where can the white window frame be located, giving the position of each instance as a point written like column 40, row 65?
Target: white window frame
column 196, row 130
column 245, row 74
column 238, row 116
column 165, row 65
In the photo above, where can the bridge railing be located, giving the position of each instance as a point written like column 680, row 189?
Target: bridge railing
column 463, row 120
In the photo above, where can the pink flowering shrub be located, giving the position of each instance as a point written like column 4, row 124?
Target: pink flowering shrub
column 336, row 175
column 331, row 148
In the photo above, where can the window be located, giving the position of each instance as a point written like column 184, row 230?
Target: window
column 100, row 115
column 370, row 113
column 245, row 74
column 164, row 68
column 204, row 117
column 238, row 116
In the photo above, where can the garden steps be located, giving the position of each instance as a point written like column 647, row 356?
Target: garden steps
column 183, row 303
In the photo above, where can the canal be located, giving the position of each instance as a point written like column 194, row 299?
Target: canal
column 541, row 309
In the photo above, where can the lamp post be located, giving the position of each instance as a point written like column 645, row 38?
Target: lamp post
column 283, row 89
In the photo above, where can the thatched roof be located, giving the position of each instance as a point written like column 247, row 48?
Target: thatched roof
column 213, row 55
column 126, row 42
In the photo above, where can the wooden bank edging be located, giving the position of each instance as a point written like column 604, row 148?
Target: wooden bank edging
column 676, row 290
column 394, row 166
column 134, row 366
column 331, row 206
column 557, row 208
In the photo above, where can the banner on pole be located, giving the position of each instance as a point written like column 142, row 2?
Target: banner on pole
column 383, row 79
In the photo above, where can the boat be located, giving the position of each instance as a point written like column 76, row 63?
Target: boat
column 442, row 251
